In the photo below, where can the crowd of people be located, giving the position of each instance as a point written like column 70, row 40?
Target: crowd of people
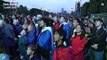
column 51, row 38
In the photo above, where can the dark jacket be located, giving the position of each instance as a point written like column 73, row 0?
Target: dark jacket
column 8, row 35
column 26, row 57
column 35, row 57
column 22, row 44
column 100, row 39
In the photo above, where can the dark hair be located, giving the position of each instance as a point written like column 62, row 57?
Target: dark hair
column 61, row 32
column 33, row 25
column 50, row 22
column 6, row 20
column 98, row 19
column 77, row 20
column 0, row 16
column 32, row 47
column 28, row 21
column 11, row 21
column 44, row 19
column 82, row 33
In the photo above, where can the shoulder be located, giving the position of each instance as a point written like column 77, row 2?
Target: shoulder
column 85, row 38
column 36, row 57
column 47, row 32
column 4, row 57
column 65, row 52
column 65, row 49
column 103, row 31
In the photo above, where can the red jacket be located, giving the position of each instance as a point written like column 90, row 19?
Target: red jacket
column 57, row 26
column 77, row 47
column 62, row 54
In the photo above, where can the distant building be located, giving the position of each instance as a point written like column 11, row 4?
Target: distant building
column 78, row 9
column 62, row 10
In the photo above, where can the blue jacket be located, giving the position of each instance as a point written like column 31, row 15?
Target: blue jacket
column 4, row 57
column 22, row 44
column 44, row 40
column 19, row 28
column 31, row 37
column 8, row 31
column 65, row 26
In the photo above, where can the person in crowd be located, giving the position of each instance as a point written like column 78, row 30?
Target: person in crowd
column 50, row 26
column 78, row 42
column 44, row 39
column 31, row 34
column 56, row 23
column 99, row 39
column 18, row 27
column 91, row 25
column 89, row 30
column 14, row 20
column 3, row 51
column 23, row 41
column 70, row 22
column 0, row 26
column 87, row 46
column 0, row 21
column 65, row 26
column 85, row 22
column 8, row 36
column 26, row 22
column 31, row 53
column 36, row 22
column 75, row 23
column 14, row 27
column 61, row 52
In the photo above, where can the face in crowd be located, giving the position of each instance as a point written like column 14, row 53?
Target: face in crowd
column 78, row 29
column 57, row 37
column 98, row 23
column 75, row 22
column 42, row 23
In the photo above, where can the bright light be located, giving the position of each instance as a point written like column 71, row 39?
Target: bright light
column 102, row 4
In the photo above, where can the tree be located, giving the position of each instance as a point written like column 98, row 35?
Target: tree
column 35, row 11
column 85, row 9
column 103, row 6
column 94, row 6
column 22, row 10
column 98, row 6
column 1, row 6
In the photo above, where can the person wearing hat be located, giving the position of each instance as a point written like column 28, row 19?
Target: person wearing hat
column 99, row 39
